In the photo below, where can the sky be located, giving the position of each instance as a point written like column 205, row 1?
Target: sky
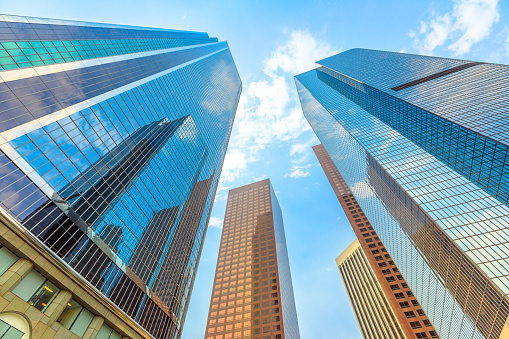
column 271, row 41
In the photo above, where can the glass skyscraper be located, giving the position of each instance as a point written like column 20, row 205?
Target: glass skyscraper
column 381, row 291
column 112, row 140
column 422, row 143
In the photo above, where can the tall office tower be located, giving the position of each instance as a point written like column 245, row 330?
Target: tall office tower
column 374, row 315
column 112, row 140
column 411, row 319
column 253, row 294
column 422, row 143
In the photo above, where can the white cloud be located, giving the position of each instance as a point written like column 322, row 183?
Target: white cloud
column 299, row 54
column 298, row 172
column 234, row 163
column 304, row 147
column 440, row 28
column 215, row 222
column 469, row 22
column 269, row 110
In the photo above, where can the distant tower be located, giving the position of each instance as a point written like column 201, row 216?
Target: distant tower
column 374, row 315
column 371, row 256
column 253, row 294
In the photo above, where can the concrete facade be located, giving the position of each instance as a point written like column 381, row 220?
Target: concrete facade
column 44, row 325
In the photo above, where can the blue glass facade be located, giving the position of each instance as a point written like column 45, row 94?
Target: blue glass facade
column 422, row 143
column 112, row 161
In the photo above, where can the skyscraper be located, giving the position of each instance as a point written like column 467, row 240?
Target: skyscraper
column 422, row 143
column 374, row 315
column 252, row 295
column 377, row 265
column 112, row 140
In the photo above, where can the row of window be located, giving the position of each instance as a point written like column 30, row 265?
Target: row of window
column 384, row 261
column 40, row 292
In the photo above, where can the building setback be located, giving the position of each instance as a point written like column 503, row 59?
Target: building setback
column 422, row 143
column 411, row 319
column 112, row 140
column 252, row 295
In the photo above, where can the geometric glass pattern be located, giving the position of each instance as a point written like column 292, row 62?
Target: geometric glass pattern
column 112, row 143
column 422, row 143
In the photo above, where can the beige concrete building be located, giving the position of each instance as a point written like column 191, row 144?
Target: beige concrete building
column 374, row 315
column 41, row 298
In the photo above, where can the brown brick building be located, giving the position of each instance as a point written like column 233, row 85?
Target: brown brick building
column 409, row 314
column 252, row 295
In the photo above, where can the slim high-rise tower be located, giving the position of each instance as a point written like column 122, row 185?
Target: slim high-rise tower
column 422, row 144
column 252, row 295
column 390, row 287
column 112, row 140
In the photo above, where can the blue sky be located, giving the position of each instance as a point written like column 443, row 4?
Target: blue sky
column 271, row 41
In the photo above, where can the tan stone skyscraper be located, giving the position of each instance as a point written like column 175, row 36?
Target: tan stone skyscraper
column 252, row 295
column 409, row 314
column 374, row 315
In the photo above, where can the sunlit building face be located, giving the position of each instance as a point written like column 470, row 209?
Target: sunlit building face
column 252, row 295
column 422, row 143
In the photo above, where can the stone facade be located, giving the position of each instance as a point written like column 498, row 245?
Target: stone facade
column 44, row 325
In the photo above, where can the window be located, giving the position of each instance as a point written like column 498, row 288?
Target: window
column 410, row 314
column 415, row 324
column 36, row 290
column 395, row 287
column 7, row 259
column 9, row 332
column 404, row 285
column 404, row 304
column 433, row 334
column 421, row 335
column 385, row 272
column 415, row 303
column 409, row 293
column 390, row 279
column 427, row 323
column 399, row 295
column 106, row 332
column 76, row 318
column 420, row 312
